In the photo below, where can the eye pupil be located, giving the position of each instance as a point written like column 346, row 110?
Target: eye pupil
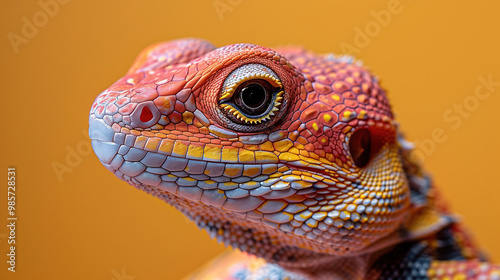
column 253, row 95
column 360, row 147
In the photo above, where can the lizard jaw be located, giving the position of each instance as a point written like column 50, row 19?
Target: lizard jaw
column 101, row 136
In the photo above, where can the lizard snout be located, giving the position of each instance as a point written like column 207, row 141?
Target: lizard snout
column 102, row 140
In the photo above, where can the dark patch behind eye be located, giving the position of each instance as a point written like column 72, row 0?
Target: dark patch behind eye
column 253, row 97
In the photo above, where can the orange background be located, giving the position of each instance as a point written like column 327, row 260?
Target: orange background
column 90, row 225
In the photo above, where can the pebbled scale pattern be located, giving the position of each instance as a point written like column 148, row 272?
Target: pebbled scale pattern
column 284, row 188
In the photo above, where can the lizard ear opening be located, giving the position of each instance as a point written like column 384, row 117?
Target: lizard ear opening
column 360, row 147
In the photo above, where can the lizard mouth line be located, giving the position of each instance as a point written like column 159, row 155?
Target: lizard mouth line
column 101, row 136
column 321, row 171
column 105, row 147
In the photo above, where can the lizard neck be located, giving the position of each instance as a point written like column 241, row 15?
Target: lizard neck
column 233, row 229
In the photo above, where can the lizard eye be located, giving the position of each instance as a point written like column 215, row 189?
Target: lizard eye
column 360, row 147
column 251, row 94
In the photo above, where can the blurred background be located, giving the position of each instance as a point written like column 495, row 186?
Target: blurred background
column 439, row 62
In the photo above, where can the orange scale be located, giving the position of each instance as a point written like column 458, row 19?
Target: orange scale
column 302, row 140
column 362, row 98
column 312, row 97
column 312, row 140
column 237, row 144
column 330, row 100
column 127, row 109
column 165, row 104
column 146, row 87
column 135, row 132
column 366, row 87
column 324, row 79
column 205, row 140
column 308, row 86
column 328, row 119
column 309, row 113
column 171, row 88
column 350, row 80
column 328, row 150
column 323, row 140
column 286, row 125
column 172, row 136
column 179, row 107
column 175, row 117
column 322, row 107
column 152, row 144
column 197, row 123
column 190, row 75
column 349, row 94
column 351, row 103
column 294, row 126
column 170, row 126
column 339, row 108
column 304, row 106
column 353, row 122
column 148, row 134
column 182, row 74
column 205, row 131
column 199, row 135
column 193, row 129
column 296, row 115
column 322, row 89
column 183, row 127
column 201, row 66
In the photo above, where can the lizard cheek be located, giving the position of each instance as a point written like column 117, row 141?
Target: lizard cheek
column 145, row 115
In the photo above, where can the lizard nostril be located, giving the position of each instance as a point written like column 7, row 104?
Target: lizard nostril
column 146, row 114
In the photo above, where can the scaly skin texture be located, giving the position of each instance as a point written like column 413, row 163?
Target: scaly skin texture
column 313, row 177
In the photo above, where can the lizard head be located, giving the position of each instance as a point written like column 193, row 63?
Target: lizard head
column 279, row 153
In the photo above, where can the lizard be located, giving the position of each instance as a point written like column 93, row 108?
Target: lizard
column 292, row 157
